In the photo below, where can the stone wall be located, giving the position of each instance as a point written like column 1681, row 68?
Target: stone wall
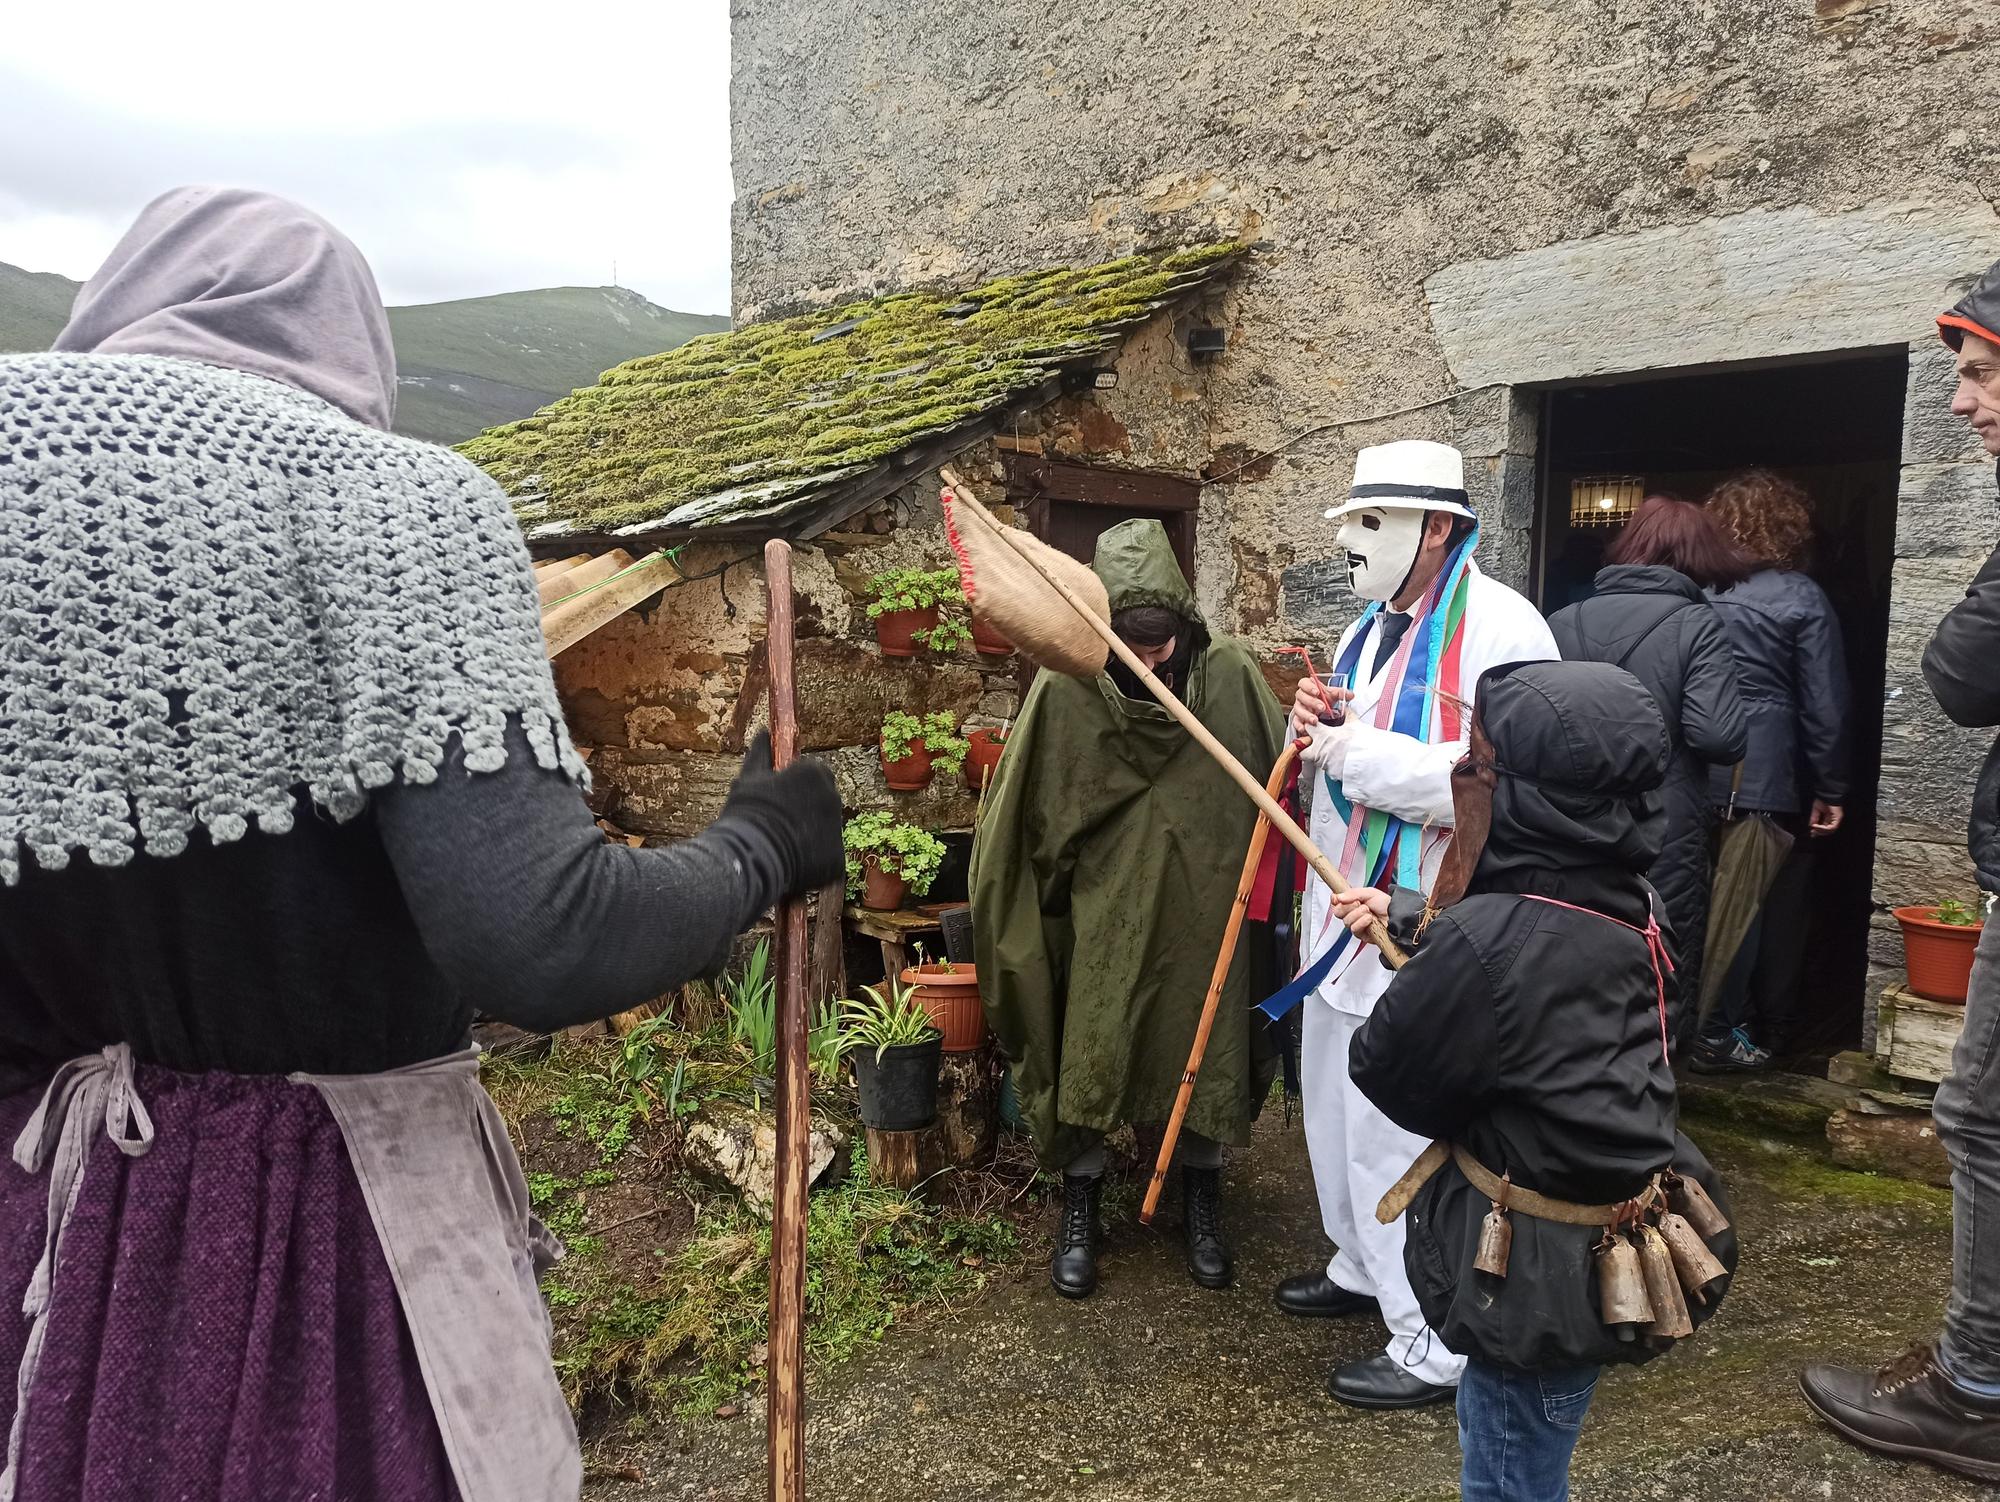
column 1451, row 204
column 1947, row 524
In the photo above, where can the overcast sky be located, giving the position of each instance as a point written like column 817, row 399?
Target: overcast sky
column 467, row 148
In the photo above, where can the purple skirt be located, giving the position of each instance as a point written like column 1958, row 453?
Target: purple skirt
column 223, row 1325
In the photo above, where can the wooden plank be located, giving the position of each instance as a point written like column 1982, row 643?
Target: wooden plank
column 557, row 586
column 1096, row 485
column 570, row 622
column 1920, row 1035
column 548, row 566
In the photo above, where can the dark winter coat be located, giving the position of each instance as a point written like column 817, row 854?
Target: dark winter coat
column 1793, row 674
column 1530, row 1034
column 1656, row 624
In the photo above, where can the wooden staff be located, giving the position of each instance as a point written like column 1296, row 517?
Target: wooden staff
column 1237, row 912
column 786, row 1334
column 1284, row 823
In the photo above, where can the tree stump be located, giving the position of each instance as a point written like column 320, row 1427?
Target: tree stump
column 903, row 1160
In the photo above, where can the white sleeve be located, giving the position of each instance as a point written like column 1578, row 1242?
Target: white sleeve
column 1400, row 775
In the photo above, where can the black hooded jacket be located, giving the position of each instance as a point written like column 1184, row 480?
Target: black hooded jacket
column 1959, row 663
column 1656, row 624
column 1530, row 1034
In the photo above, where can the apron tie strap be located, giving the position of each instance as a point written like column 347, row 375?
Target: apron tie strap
column 58, row 1138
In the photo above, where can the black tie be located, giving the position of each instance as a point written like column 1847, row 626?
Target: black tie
column 1390, row 628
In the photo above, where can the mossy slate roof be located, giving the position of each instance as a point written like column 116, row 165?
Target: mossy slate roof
column 768, row 425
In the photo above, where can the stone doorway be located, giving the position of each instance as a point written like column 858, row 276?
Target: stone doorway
column 1836, row 427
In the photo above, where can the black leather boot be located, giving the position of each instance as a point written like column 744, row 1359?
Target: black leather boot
column 1073, row 1267
column 1201, row 1219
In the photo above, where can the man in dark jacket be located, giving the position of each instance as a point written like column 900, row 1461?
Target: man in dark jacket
column 1528, row 1031
column 1941, row 1402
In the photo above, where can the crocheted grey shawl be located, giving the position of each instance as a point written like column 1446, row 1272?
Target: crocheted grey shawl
column 216, row 589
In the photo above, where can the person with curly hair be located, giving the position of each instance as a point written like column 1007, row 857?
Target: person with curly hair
column 1792, row 670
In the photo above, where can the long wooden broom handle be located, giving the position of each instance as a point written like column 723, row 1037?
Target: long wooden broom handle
column 1377, row 934
column 786, row 1332
column 1238, row 911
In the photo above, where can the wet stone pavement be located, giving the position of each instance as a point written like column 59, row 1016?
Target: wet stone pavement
column 1157, row 1391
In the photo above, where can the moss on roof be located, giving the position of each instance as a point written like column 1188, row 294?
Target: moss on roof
column 756, row 422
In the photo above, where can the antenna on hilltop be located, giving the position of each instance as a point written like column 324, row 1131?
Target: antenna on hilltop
column 614, row 271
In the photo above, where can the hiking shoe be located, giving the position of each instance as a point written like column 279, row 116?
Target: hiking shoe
column 1073, row 1264
column 1910, row 1407
column 1734, row 1054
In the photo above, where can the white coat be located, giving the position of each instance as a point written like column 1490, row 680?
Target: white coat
column 1357, row 1152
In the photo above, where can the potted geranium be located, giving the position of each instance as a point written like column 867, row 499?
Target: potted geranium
column 887, row 860
column 913, row 749
column 982, row 756
column 896, row 1054
column 949, row 993
column 903, row 602
column 1938, row 943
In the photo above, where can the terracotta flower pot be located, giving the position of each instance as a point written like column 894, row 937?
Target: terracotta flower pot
column 881, row 890
column 987, row 642
column 952, row 999
column 893, row 628
column 1938, row 956
column 982, row 757
column 911, row 773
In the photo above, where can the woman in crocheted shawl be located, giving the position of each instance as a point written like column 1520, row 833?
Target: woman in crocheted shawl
column 284, row 793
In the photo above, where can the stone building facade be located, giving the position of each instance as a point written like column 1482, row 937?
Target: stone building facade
column 1461, row 213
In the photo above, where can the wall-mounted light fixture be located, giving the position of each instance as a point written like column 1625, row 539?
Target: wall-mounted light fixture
column 1089, row 380
column 1604, row 500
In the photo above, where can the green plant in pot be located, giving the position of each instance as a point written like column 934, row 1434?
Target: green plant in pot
column 914, row 749
column 887, row 859
column 946, row 637
column 1938, row 945
column 904, row 601
column 896, row 1052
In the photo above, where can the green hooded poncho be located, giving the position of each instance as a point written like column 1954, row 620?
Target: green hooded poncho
column 1102, row 877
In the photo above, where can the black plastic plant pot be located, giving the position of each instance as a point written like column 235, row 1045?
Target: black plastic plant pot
column 899, row 1092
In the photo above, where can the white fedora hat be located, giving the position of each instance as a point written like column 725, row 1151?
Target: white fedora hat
column 1412, row 474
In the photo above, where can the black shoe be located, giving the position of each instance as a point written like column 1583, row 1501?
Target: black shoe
column 1734, row 1054
column 1201, row 1219
column 1381, row 1381
column 1910, row 1407
column 1073, row 1268
column 1316, row 1296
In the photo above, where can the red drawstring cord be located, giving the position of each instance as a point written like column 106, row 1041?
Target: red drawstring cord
column 1656, row 949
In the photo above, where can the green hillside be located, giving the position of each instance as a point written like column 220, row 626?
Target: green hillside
column 464, row 366
column 34, row 305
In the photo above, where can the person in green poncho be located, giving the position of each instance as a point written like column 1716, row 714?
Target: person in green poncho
column 1102, row 877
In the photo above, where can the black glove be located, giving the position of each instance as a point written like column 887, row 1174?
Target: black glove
column 794, row 817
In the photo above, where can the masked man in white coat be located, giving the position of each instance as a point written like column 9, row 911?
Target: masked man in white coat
column 1380, row 779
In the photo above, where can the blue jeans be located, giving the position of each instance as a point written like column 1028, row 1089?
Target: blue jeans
column 1517, row 1430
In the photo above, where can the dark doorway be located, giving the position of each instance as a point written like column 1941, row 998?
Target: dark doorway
column 1069, row 506
column 1835, row 427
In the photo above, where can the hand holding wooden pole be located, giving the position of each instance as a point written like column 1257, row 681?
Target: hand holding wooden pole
column 1377, row 934
column 786, row 1333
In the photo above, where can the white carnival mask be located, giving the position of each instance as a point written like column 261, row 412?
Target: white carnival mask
column 1382, row 544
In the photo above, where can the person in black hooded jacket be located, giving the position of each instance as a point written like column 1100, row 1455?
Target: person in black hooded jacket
column 1528, row 1030
column 1649, row 616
